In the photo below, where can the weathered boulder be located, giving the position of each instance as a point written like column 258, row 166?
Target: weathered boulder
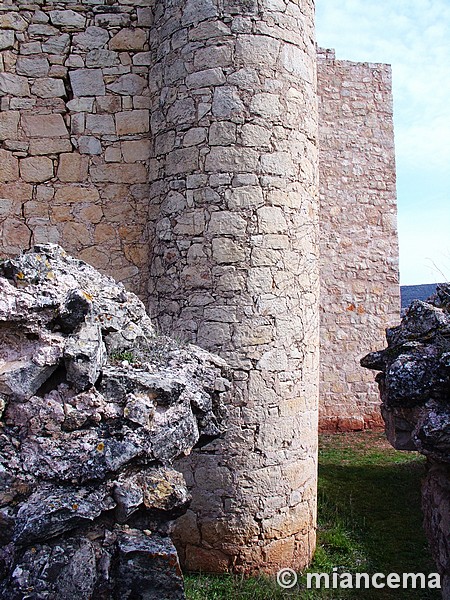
column 414, row 383
column 94, row 408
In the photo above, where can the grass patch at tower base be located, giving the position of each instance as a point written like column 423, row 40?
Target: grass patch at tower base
column 369, row 521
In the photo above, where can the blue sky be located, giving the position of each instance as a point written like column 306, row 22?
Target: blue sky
column 414, row 37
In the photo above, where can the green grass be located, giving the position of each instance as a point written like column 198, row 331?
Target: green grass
column 369, row 520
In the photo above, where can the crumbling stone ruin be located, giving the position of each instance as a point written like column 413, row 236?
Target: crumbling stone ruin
column 178, row 146
column 94, row 409
column 414, row 383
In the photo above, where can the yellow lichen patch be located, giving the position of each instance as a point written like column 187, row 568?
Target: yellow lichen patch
column 75, row 506
column 156, row 495
column 50, row 275
column 20, row 275
column 100, row 447
column 87, row 296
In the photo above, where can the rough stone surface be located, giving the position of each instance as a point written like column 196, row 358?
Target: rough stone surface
column 177, row 131
column 414, row 383
column 94, row 408
column 360, row 294
column 203, row 283
column 67, row 71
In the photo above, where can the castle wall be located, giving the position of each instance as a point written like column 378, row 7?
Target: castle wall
column 360, row 293
column 74, row 131
column 183, row 134
column 234, row 266
column 178, row 139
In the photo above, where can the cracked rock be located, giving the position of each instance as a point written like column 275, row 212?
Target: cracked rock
column 94, row 408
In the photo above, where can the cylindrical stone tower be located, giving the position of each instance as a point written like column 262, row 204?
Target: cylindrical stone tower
column 234, row 215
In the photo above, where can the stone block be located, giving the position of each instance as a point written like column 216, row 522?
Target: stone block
column 101, row 58
column 227, row 223
column 49, row 146
column 296, row 61
column 194, row 136
column 213, row 334
column 250, row 49
column 129, row 39
column 190, row 223
column 101, row 124
column 128, row 85
column 87, row 82
column 108, row 104
column 136, row 150
column 222, row 133
column 117, row 173
column 227, row 103
column 13, row 85
column 18, row 190
column 72, row 167
column 260, row 281
column 132, row 121
column 77, row 123
column 12, row 20
column 209, row 29
column 255, row 135
column 71, row 194
column 93, row 37
column 88, row 144
column 227, row 251
column 113, row 154
column 182, row 112
column 219, row 56
column 143, row 59
column 9, row 121
column 49, row 88
column 234, row 159
column 68, row 19
column 46, row 126
column 278, row 163
column 7, row 39
column 205, row 78
column 184, row 160
column 57, row 44
column 42, row 30
column 266, row 105
column 36, row 169
column 35, row 66
column 81, row 105
column 112, row 20
column 9, row 167
column 245, row 197
column 145, row 17
column 271, row 219
column 196, row 11
column 74, row 61
column 30, row 48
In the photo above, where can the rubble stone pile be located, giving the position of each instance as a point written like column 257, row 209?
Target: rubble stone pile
column 94, row 408
column 414, row 383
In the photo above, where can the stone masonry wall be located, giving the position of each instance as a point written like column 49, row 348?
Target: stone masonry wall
column 360, row 293
column 173, row 144
column 234, row 266
column 74, row 127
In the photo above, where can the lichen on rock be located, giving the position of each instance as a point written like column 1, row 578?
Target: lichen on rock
column 94, row 408
column 414, row 383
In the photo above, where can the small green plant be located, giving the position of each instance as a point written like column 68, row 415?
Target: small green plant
column 122, row 355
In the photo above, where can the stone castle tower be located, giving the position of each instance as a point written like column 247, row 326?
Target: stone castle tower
column 175, row 145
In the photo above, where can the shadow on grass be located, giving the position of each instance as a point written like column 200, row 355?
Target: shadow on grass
column 369, row 521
